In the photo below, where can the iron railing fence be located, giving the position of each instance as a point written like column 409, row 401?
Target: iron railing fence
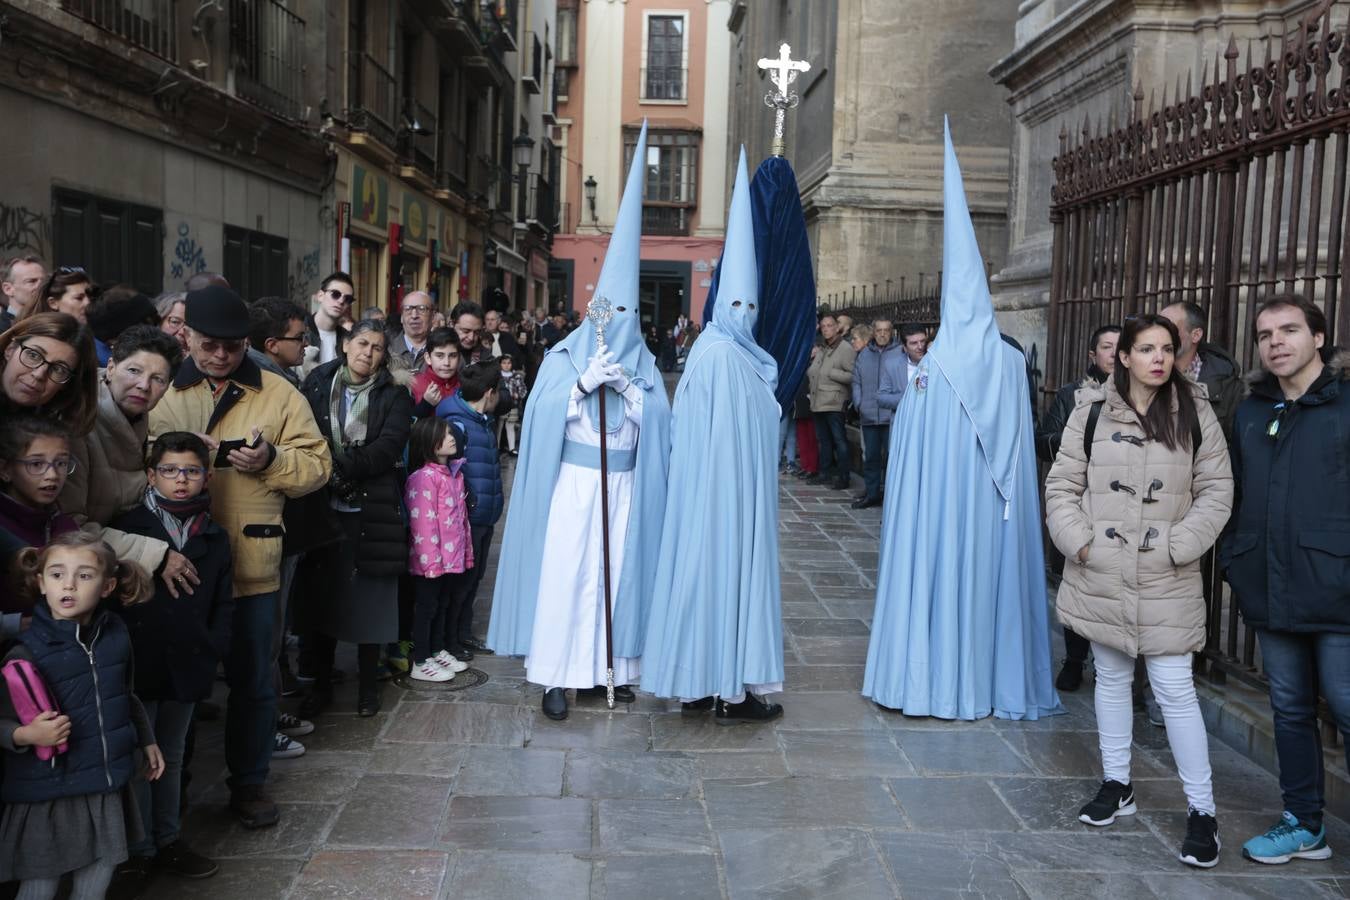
column 151, row 25
column 1224, row 197
column 267, row 46
column 371, row 97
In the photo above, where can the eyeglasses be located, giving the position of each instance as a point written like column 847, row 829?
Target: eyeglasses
column 34, row 359
column 174, row 321
column 417, row 310
column 299, row 338
column 339, row 295
column 173, row 473
column 1273, row 428
column 213, row 346
column 36, row 466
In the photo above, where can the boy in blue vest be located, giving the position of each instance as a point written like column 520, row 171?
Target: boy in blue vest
column 469, row 407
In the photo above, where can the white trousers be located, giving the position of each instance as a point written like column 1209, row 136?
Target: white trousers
column 1174, row 687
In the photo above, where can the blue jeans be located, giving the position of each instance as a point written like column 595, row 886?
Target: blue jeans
column 158, row 801
column 833, row 444
column 787, row 440
column 1297, row 664
column 876, row 443
column 251, row 711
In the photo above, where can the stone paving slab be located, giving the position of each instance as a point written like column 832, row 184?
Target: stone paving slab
column 473, row 794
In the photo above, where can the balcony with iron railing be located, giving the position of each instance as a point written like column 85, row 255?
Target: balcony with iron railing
column 267, row 43
column 532, row 74
column 541, row 203
column 452, row 165
column 151, row 25
column 664, row 84
column 371, row 93
column 417, row 137
column 667, row 220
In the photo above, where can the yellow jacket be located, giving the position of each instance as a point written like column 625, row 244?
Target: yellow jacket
column 248, row 506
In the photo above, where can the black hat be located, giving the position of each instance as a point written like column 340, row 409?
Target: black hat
column 217, row 312
column 110, row 317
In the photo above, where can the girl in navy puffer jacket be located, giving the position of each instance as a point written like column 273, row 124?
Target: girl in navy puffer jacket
column 73, row 812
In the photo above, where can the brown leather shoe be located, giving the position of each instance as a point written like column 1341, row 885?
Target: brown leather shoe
column 252, row 807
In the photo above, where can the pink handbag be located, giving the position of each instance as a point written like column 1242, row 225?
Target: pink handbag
column 31, row 699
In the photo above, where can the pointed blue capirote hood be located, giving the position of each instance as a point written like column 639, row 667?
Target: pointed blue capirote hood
column 618, row 283
column 738, row 280
column 968, row 347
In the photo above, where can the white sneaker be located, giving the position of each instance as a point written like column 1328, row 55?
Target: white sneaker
column 428, row 670
column 449, row 662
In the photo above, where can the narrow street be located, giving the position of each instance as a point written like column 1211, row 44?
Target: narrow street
column 472, row 794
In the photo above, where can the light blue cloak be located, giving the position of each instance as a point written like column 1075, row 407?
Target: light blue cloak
column 961, row 625
column 716, row 617
column 541, row 444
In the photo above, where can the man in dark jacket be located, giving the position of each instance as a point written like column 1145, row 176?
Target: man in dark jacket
column 1207, row 363
column 471, row 408
column 878, row 357
column 1101, row 363
column 1286, row 553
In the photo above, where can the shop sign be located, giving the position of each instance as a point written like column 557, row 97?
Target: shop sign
column 414, row 219
column 370, row 197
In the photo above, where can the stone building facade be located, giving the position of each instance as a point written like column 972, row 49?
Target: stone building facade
column 866, row 139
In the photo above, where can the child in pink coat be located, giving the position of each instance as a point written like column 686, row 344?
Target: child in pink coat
column 440, row 547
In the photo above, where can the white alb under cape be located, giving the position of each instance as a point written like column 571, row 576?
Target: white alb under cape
column 567, row 644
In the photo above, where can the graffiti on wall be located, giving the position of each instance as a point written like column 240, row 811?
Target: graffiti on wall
column 304, row 277
column 189, row 258
column 24, row 230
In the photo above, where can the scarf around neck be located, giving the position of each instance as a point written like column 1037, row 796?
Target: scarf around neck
column 181, row 518
column 353, row 429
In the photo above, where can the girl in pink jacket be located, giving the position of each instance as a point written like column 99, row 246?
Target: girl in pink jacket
column 440, row 547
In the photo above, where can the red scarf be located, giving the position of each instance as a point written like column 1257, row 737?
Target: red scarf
column 426, row 378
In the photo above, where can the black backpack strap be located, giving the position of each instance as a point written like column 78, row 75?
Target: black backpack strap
column 1197, row 437
column 1090, row 428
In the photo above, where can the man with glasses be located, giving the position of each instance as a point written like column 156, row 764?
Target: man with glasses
column 278, row 336
column 21, row 282
column 331, row 302
column 408, row 347
column 1286, row 553
column 266, row 448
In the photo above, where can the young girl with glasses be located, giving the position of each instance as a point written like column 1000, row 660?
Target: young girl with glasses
column 35, row 459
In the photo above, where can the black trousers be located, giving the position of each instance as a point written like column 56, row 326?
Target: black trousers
column 431, row 603
column 320, row 651
column 464, row 589
column 1076, row 646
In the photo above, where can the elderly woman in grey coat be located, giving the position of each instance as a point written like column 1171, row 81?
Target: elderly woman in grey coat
column 1139, row 491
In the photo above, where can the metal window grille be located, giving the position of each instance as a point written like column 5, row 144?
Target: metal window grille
column 267, row 44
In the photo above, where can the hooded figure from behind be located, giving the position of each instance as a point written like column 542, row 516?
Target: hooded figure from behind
column 548, row 605
column 716, row 631
column 961, row 627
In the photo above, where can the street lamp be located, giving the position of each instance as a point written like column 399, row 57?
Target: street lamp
column 523, row 150
column 590, row 185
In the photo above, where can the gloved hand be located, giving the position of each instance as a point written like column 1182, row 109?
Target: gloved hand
column 616, row 378
column 598, row 372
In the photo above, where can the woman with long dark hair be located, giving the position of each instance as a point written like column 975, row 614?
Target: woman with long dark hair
column 68, row 290
column 1139, row 491
column 365, row 415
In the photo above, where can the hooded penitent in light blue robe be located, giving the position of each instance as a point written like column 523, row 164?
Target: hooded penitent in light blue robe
column 961, row 626
column 541, row 448
column 716, row 622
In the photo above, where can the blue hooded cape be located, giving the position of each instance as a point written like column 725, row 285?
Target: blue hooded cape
column 517, row 590
column 716, row 621
column 961, row 625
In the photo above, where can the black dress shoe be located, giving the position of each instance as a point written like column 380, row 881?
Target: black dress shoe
column 697, row 707
column 477, row 646
column 1070, row 676
column 817, row 478
column 751, row 709
column 866, row 502
column 839, row 484
column 555, row 704
column 368, row 701
column 622, row 693
column 314, row 703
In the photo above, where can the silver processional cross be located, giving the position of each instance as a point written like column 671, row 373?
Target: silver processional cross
column 782, row 72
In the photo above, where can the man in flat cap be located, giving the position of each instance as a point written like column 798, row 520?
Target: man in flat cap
column 268, row 448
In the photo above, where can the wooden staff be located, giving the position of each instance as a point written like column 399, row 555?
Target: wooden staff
column 600, row 313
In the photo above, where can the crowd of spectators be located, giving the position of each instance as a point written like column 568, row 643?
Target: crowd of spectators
column 233, row 476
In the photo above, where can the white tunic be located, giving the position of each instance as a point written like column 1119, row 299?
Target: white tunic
column 567, row 645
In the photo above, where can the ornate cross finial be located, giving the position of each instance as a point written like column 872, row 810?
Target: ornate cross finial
column 599, row 312
column 783, row 71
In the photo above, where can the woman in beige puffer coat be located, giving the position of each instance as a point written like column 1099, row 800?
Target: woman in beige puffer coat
column 1136, row 517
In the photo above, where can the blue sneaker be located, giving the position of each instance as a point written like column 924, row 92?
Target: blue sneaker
column 1287, row 840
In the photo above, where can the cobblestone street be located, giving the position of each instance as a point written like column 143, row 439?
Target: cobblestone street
column 473, row 794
